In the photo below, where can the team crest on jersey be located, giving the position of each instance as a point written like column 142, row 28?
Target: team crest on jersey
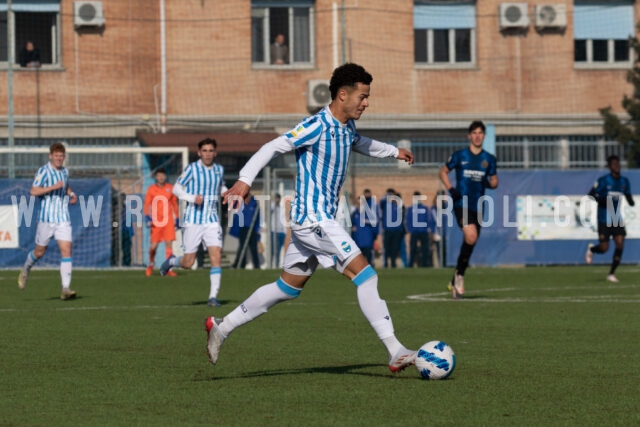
column 346, row 247
column 485, row 164
column 39, row 179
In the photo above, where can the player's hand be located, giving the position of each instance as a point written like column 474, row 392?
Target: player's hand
column 73, row 198
column 455, row 194
column 148, row 220
column 58, row 185
column 239, row 190
column 630, row 200
column 199, row 199
column 404, row 154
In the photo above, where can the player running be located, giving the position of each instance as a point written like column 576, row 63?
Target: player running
column 323, row 144
column 51, row 186
column 608, row 191
column 200, row 185
column 475, row 171
column 162, row 217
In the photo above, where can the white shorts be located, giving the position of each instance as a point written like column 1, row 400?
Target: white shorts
column 325, row 243
column 194, row 234
column 47, row 230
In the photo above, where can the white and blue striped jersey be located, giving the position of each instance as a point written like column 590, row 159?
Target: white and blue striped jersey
column 197, row 179
column 322, row 147
column 54, row 206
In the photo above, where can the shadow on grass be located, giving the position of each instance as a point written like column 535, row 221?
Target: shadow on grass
column 338, row 370
column 222, row 302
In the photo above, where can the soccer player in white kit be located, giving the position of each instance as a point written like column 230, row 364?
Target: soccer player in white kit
column 200, row 185
column 323, row 144
column 51, row 186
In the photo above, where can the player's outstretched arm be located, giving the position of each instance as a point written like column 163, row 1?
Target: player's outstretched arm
column 404, row 154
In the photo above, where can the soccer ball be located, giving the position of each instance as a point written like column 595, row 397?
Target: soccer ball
column 435, row 360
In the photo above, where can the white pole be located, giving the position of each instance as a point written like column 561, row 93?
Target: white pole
column 335, row 34
column 163, row 69
column 11, row 159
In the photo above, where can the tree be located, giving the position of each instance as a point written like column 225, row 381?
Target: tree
column 627, row 131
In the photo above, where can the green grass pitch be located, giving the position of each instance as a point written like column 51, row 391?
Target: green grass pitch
column 534, row 346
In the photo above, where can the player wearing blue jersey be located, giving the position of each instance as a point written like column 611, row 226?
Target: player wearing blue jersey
column 51, row 186
column 608, row 192
column 323, row 144
column 475, row 171
column 200, row 186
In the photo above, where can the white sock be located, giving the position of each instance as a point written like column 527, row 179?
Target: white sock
column 257, row 304
column 375, row 309
column 215, row 274
column 31, row 259
column 65, row 272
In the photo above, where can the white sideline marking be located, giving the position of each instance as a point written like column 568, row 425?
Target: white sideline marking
column 98, row 308
column 477, row 296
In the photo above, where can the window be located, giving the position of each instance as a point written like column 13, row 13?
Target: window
column 290, row 23
column 444, row 34
column 33, row 20
column 601, row 33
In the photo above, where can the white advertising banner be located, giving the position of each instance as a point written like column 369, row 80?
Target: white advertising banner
column 9, row 238
column 567, row 218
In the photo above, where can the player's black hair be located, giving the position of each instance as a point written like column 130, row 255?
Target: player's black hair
column 349, row 74
column 160, row 170
column 477, row 124
column 208, row 141
column 611, row 158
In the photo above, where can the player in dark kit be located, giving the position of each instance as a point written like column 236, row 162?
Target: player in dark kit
column 475, row 171
column 608, row 192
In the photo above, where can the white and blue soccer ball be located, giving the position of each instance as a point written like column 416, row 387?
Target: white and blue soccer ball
column 435, row 360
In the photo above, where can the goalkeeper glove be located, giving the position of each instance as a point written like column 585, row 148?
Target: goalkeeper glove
column 176, row 223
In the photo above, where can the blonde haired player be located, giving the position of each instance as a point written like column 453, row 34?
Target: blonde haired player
column 51, row 186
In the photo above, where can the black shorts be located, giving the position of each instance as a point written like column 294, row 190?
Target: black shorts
column 466, row 217
column 606, row 231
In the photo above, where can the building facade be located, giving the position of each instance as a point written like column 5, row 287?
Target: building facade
column 121, row 68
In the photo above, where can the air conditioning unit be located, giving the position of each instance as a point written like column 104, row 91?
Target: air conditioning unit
column 550, row 15
column 318, row 94
column 513, row 15
column 87, row 14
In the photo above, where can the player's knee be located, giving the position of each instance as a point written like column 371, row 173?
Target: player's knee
column 287, row 289
column 39, row 251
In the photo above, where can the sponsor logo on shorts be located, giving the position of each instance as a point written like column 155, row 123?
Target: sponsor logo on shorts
column 346, row 247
